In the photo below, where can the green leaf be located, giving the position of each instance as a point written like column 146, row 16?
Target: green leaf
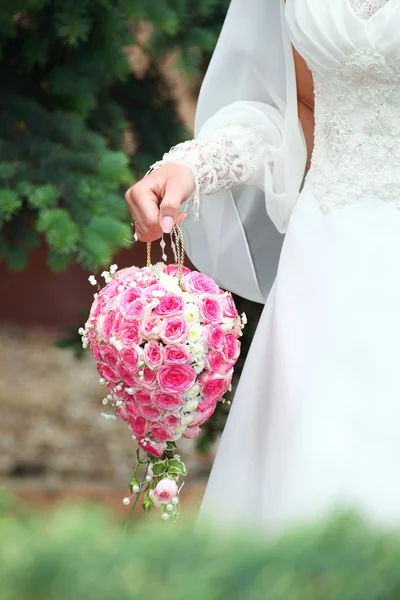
column 58, row 261
column 113, row 166
column 10, row 202
column 147, row 503
column 73, row 24
column 62, row 234
column 176, row 467
column 24, row 188
column 44, row 196
column 159, row 468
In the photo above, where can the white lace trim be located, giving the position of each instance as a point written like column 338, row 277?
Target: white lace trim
column 357, row 131
column 365, row 9
column 232, row 156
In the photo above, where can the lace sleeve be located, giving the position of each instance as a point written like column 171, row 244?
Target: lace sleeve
column 232, row 155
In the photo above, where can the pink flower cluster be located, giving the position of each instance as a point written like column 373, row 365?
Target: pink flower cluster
column 165, row 350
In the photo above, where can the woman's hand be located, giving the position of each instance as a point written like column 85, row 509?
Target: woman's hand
column 155, row 200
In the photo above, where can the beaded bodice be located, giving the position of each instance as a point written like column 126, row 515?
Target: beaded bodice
column 357, row 130
column 366, row 8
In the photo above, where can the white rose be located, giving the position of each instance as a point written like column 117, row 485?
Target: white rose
column 158, row 268
column 186, row 419
column 191, row 405
column 191, row 313
column 187, row 298
column 198, row 350
column 170, row 284
column 199, row 365
column 194, row 332
column 193, row 391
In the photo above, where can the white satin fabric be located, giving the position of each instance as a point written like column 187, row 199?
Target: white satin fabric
column 314, row 424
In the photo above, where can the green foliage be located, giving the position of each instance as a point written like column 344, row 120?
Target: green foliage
column 81, row 553
column 69, row 94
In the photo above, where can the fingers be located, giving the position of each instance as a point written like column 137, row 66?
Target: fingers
column 143, row 204
column 143, row 235
column 177, row 190
column 154, row 201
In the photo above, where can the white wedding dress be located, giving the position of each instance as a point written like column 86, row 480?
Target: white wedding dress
column 315, row 422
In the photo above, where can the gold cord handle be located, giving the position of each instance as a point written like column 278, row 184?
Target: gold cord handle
column 180, row 251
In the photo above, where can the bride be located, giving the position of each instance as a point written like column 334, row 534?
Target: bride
column 315, row 422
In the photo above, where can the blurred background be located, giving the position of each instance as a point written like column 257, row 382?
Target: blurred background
column 93, row 92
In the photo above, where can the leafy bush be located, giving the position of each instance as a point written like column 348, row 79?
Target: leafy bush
column 82, row 554
column 70, row 96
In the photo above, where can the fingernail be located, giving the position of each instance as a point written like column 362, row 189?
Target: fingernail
column 167, row 224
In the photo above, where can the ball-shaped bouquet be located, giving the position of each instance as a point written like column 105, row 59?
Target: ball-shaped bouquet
column 165, row 340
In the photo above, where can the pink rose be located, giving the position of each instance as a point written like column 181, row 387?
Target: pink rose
column 165, row 490
column 173, row 269
column 210, row 309
column 149, row 379
column 125, row 374
column 174, row 330
column 178, row 354
column 172, row 421
column 176, row 378
column 142, row 397
column 214, row 361
column 136, row 309
column 199, row 283
column 228, row 306
column 117, row 325
column 126, row 299
column 120, row 393
column 170, row 305
column 123, row 415
column 132, row 408
column 192, row 432
column 130, row 333
column 153, row 354
column 231, row 347
column 130, row 358
column 151, row 327
column 106, row 372
column 154, row 448
column 108, row 323
column 206, row 404
column 110, row 290
column 160, row 433
column 155, row 287
column 96, row 309
column 215, row 337
column 95, row 349
column 167, row 401
column 202, row 417
column 110, row 356
column 151, row 413
column 213, row 386
column 138, row 426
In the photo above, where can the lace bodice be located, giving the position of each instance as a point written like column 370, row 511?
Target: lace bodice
column 357, row 131
column 365, row 9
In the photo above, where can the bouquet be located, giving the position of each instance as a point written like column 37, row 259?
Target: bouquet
column 165, row 340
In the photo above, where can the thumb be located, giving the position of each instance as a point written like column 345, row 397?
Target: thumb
column 169, row 207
